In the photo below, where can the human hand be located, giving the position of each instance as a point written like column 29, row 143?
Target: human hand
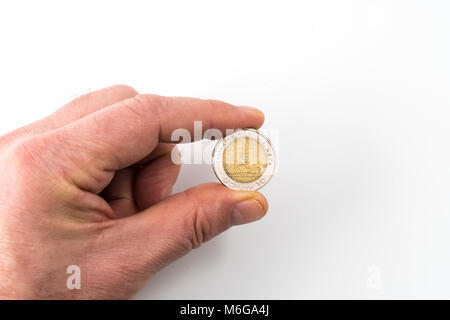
column 90, row 186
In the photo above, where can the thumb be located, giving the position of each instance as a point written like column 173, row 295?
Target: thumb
column 173, row 227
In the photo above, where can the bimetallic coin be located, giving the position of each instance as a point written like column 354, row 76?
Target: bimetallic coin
column 244, row 160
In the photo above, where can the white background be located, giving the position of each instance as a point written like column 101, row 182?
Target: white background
column 359, row 91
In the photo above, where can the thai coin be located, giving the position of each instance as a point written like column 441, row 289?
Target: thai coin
column 244, row 160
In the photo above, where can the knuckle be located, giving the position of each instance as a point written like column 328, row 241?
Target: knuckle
column 141, row 104
column 213, row 103
column 134, row 113
column 192, row 228
column 201, row 229
column 149, row 107
column 202, row 222
column 4, row 141
column 126, row 89
column 214, row 106
column 36, row 151
column 152, row 101
column 26, row 151
column 8, row 140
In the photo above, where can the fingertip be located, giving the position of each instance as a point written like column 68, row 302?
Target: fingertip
column 256, row 114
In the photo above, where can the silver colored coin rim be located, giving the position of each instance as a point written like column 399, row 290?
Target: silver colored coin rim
column 217, row 160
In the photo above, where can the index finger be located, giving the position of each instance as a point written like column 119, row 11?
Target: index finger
column 124, row 133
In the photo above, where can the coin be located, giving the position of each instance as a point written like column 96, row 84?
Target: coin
column 244, row 160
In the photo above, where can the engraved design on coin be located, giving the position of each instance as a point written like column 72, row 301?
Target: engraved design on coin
column 244, row 160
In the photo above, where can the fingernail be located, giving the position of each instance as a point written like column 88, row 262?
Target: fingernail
column 245, row 212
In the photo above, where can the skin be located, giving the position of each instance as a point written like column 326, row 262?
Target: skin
column 91, row 186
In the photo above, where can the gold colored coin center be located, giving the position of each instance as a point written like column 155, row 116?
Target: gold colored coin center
column 244, row 160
